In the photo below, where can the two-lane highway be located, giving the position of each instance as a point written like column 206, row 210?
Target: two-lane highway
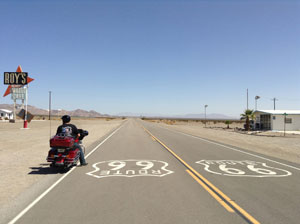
column 264, row 187
column 144, row 173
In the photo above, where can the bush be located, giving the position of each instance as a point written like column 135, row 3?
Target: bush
column 169, row 122
column 228, row 123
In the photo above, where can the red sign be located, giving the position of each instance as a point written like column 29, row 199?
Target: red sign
column 8, row 90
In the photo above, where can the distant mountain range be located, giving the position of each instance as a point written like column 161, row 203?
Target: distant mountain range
column 185, row 116
column 83, row 113
column 37, row 111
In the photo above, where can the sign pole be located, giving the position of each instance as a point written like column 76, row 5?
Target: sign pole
column 14, row 119
column 26, row 106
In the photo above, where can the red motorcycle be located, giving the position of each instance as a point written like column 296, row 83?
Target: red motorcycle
column 63, row 153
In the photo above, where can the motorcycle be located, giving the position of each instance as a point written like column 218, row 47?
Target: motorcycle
column 63, row 153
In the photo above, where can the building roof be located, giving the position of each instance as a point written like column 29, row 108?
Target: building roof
column 279, row 112
column 6, row 111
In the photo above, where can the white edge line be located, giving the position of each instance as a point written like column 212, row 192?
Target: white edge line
column 261, row 157
column 56, row 183
column 102, row 142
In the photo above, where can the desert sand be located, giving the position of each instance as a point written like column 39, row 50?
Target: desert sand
column 23, row 151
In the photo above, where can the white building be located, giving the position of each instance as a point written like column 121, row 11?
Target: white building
column 274, row 120
column 6, row 114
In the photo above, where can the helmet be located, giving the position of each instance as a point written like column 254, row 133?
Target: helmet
column 66, row 118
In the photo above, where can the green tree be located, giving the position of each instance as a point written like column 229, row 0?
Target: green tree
column 228, row 123
column 248, row 115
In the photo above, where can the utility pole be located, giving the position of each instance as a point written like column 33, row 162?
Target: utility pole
column 49, row 105
column 50, row 111
column 256, row 98
column 274, row 99
column 205, row 113
column 247, row 100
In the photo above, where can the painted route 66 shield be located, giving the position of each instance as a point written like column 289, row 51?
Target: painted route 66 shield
column 130, row 168
column 242, row 168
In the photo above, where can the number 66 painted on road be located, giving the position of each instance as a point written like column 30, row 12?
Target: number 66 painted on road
column 242, row 168
column 130, row 168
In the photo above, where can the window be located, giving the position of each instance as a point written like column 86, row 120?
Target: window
column 265, row 121
column 2, row 115
column 288, row 120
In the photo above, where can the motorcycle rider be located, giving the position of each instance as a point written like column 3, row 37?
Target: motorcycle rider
column 71, row 130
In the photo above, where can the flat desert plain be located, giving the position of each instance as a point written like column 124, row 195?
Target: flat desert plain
column 23, row 153
column 267, row 143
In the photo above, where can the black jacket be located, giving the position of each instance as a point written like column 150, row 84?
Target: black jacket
column 68, row 129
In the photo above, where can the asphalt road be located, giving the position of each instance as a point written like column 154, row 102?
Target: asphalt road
column 144, row 173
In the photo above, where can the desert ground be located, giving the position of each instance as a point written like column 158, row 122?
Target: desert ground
column 269, row 143
column 23, row 151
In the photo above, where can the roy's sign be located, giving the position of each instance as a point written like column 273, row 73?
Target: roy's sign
column 15, row 78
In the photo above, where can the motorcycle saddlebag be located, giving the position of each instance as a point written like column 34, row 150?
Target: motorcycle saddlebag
column 62, row 141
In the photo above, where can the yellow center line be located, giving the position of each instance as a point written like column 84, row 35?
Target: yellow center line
column 205, row 182
column 229, row 209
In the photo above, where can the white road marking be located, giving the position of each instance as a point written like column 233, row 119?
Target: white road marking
column 237, row 150
column 57, row 182
column 103, row 142
column 242, row 168
column 130, row 168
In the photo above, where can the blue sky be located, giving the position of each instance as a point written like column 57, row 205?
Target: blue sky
column 167, row 57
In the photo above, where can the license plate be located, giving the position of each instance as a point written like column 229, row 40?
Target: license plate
column 60, row 150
